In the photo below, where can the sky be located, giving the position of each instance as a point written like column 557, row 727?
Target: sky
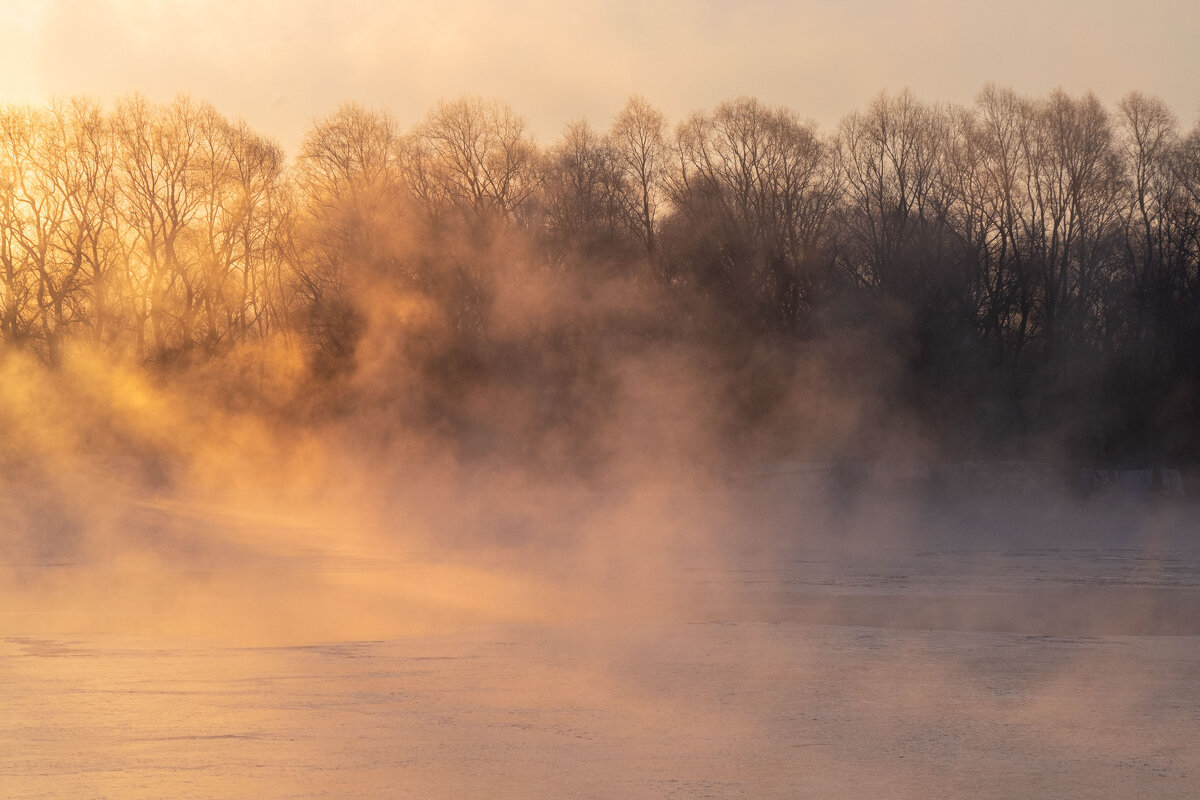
column 280, row 64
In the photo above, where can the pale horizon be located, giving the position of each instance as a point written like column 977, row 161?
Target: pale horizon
column 281, row 65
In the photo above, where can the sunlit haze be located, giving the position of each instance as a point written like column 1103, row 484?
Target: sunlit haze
column 647, row 401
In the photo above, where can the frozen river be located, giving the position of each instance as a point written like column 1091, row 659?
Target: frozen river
column 942, row 668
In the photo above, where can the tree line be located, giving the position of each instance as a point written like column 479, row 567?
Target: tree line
column 1032, row 264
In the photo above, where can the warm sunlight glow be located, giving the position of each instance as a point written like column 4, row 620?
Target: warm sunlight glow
column 644, row 401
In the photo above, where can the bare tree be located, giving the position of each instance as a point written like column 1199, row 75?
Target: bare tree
column 84, row 174
column 639, row 140
column 585, row 195
column 20, row 285
column 891, row 164
column 352, row 198
column 1149, row 140
column 159, row 164
column 478, row 157
column 43, row 241
column 989, row 178
column 350, row 157
column 259, row 217
column 1074, row 208
column 760, row 181
column 239, row 177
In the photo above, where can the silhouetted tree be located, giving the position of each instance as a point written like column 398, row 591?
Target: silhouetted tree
column 352, row 192
column 756, row 186
column 639, row 144
column 478, row 157
column 586, row 198
column 1029, row 265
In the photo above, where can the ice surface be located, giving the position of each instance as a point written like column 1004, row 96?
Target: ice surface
column 947, row 667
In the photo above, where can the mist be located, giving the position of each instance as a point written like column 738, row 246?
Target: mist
column 718, row 457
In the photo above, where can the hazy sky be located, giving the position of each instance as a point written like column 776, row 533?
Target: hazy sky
column 280, row 63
